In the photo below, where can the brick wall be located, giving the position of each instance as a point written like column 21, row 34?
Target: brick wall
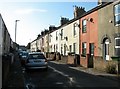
column 83, row 62
column 101, row 64
column 64, row 59
column 70, row 59
column 58, row 56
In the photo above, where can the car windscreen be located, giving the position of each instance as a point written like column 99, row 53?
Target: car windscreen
column 36, row 56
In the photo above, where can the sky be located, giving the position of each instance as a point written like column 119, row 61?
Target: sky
column 35, row 16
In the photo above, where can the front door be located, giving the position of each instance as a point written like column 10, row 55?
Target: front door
column 91, row 55
column 107, row 50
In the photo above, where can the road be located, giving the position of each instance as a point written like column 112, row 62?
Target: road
column 63, row 76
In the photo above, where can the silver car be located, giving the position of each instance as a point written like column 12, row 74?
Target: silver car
column 36, row 60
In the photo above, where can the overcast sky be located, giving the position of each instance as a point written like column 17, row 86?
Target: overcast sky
column 36, row 16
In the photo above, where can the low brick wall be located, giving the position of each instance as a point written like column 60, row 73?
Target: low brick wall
column 51, row 56
column 63, row 59
column 84, row 62
column 58, row 56
column 101, row 64
column 70, row 59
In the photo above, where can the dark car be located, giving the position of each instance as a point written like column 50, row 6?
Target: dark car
column 36, row 60
column 23, row 58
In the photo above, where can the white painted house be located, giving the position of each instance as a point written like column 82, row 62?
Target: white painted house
column 69, row 37
column 54, row 41
column 33, row 46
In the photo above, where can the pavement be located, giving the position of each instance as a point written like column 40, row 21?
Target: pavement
column 15, row 77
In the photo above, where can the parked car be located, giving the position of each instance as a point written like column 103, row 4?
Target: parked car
column 36, row 60
column 20, row 54
column 24, row 56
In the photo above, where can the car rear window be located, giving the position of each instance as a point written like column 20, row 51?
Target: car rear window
column 36, row 56
column 25, row 54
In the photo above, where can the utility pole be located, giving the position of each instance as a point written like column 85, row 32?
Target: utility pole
column 16, row 28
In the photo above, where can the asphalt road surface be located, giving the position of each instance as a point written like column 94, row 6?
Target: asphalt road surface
column 63, row 76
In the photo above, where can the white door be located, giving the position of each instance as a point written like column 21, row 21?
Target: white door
column 107, row 50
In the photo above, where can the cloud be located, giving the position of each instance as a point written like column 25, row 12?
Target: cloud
column 29, row 11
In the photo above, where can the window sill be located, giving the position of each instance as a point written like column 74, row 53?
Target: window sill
column 117, row 25
column 83, row 55
column 74, row 36
column 84, row 32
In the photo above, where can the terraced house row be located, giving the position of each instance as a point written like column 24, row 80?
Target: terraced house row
column 93, row 35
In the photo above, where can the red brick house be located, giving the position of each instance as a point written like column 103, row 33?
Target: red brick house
column 88, row 38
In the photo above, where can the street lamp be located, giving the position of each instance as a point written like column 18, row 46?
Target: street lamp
column 16, row 28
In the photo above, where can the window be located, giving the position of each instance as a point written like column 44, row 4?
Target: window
column 84, row 48
column 56, row 36
column 74, row 47
column 36, row 56
column 56, row 47
column 64, row 49
column 61, row 34
column 117, row 46
column 50, row 38
column 117, row 14
column 117, row 42
column 91, row 48
column 84, row 26
column 75, row 29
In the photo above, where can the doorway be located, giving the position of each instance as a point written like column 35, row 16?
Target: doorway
column 106, row 49
column 91, row 55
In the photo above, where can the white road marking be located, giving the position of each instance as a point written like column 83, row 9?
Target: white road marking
column 71, row 79
column 59, row 71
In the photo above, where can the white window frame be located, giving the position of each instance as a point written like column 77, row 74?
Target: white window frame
column 56, row 35
column 84, row 47
column 74, row 29
column 118, row 14
column 61, row 34
column 84, row 26
column 115, row 42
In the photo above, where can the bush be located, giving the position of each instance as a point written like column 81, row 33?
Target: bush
column 111, row 69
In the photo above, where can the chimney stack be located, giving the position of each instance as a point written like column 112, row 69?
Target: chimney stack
column 100, row 2
column 78, row 11
column 63, row 20
column 52, row 28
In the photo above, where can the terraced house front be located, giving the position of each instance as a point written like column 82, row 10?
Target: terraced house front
column 108, row 34
column 89, row 37
column 100, row 36
column 94, row 35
